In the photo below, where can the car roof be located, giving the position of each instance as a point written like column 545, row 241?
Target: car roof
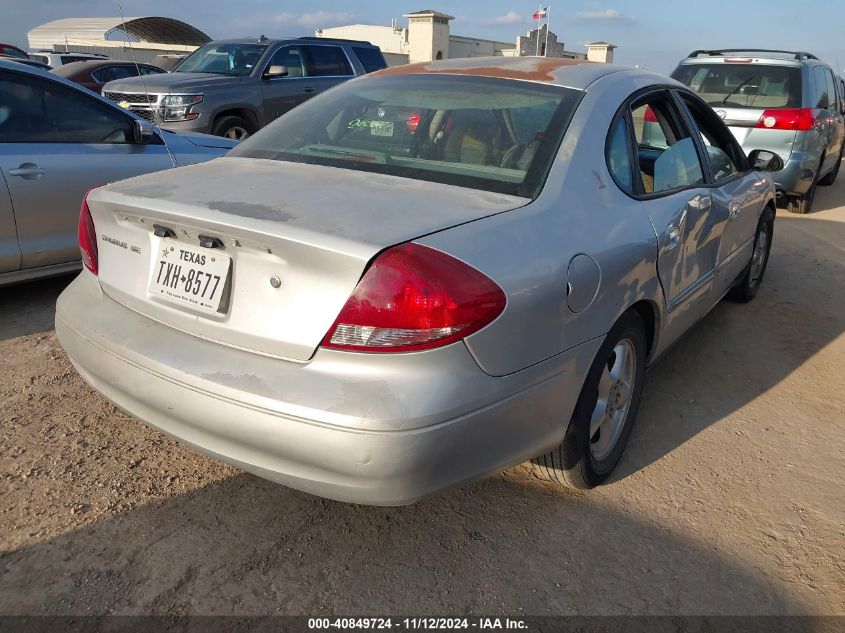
column 570, row 73
column 306, row 39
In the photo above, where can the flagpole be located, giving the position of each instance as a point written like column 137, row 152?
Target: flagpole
column 537, row 48
column 548, row 17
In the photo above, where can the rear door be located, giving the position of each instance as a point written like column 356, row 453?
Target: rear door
column 737, row 193
column 10, row 252
column 674, row 192
column 56, row 143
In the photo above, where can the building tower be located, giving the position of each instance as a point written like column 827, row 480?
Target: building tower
column 428, row 35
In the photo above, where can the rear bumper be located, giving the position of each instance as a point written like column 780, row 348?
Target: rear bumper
column 375, row 429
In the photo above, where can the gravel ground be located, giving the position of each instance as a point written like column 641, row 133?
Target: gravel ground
column 729, row 500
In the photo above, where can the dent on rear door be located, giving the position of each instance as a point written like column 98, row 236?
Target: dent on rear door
column 10, row 252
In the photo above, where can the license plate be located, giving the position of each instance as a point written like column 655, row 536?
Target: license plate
column 189, row 276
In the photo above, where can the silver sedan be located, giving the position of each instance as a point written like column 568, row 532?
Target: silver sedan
column 57, row 140
column 422, row 276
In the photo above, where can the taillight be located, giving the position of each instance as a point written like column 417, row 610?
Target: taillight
column 87, row 235
column 801, row 119
column 413, row 121
column 649, row 116
column 414, row 297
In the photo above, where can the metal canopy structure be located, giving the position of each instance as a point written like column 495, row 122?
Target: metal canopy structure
column 146, row 30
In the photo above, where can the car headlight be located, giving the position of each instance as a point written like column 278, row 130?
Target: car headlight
column 178, row 107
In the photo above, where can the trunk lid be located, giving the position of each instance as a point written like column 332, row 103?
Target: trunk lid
column 308, row 229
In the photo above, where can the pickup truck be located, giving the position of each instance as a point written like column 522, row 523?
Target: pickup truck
column 232, row 88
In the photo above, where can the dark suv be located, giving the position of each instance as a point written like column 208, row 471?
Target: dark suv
column 234, row 87
column 786, row 102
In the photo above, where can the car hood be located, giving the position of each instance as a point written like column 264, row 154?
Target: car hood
column 170, row 83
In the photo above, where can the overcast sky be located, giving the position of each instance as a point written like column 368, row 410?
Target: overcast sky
column 651, row 33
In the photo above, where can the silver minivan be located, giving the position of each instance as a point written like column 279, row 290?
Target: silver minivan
column 786, row 102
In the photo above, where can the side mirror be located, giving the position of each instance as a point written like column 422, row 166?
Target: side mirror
column 276, row 71
column 144, row 131
column 764, row 160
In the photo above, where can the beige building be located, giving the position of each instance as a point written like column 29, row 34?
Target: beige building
column 427, row 37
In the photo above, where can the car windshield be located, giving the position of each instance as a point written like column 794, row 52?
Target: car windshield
column 483, row 133
column 743, row 85
column 223, row 59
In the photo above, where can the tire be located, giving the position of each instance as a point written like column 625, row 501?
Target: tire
column 233, row 127
column 831, row 177
column 584, row 459
column 747, row 287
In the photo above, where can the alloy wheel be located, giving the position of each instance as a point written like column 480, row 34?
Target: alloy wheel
column 616, row 387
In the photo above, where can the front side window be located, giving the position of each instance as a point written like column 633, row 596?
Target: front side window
column 33, row 110
column 722, row 151
column 292, row 58
column 743, row 85
column 223, row 59
column 483, row 133
column 327, row 61
column 666, row 153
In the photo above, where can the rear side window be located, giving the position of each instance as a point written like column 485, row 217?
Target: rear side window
column 41, row 58
column 110, row 73
column 618, row 158
column 11, row 52
column 833, row 102
column 327, row 61
column 822, row 97
column 743, row 85
column 67, row 59
column 371, row 58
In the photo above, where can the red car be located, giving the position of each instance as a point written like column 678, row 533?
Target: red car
column 93, row 74
column 10, row 50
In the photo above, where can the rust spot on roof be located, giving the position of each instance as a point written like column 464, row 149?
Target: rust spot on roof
column 526, row 68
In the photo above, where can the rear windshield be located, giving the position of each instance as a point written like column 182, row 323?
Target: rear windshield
column 743, row 85
column 491, row 134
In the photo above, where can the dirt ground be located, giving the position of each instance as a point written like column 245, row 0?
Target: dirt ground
column 730, row 498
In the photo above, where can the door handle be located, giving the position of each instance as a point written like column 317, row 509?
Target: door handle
column 28, row 170
column 673, row 235
column 308, row 89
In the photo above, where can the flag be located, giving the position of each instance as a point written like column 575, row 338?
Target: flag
column 539, row 15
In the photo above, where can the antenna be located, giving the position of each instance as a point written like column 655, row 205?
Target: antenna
column 144, row 87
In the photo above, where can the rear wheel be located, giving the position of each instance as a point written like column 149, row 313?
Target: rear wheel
column 605, row 412
column 804, row 204
column 831, row 177
column 233, row 127
column 746, row 289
